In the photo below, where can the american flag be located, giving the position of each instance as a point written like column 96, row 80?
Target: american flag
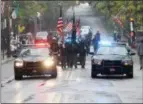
column 2, row 7
column 60, row 26
column 69, row 27
column 117, row 20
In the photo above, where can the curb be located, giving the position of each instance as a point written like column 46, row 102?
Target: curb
column 7, row 81
column 6, row 61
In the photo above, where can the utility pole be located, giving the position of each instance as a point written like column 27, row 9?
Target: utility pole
column 74, row 28
column 8, row 29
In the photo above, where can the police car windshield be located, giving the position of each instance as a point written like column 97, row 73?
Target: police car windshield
column 118, row 50
column 35, row 52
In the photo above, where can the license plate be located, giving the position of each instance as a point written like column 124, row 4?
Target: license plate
column 112, row 69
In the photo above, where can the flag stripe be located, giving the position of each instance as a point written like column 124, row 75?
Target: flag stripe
column 60, row 25
column 69, row 27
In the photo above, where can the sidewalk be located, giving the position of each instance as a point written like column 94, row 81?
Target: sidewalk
column 5, row 60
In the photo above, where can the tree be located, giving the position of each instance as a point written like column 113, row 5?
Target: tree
column 125, row 9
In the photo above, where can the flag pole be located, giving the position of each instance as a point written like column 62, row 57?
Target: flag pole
column 8, row 30
column 62, row 34
column 73, row 28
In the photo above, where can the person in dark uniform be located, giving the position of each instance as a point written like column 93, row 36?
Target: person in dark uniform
column 50, row 38
column 55, row 49
column 69, row 54
column 96, row 40
column 115, row 36
column 63, row 55
column 82, row 53
column 75, row 49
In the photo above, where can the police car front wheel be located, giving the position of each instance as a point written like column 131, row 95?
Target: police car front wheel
column 54, row 74
column 93, row 74
column 130, row 75
column 18, row 76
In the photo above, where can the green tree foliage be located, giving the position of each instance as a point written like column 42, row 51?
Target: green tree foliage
column 127, row 10
column 49, row 9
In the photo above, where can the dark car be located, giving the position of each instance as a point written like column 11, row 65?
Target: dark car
column 34, row 61
column 112, row 60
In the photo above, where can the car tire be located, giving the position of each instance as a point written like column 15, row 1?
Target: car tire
column 18, row 76
column 93, row 74
column 54, row 74
column 130, row 75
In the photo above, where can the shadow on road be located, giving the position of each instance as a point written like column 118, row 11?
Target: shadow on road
column 112, row 77
column 38, row 78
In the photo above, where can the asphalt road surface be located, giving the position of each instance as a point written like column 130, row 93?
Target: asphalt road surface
column 73, row 85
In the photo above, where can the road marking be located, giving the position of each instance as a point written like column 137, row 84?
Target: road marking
column 7, row 81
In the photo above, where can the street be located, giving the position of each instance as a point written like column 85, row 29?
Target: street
column 74, row 85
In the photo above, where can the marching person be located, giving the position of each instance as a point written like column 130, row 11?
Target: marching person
column 115, row 36
column 55, row 49
column 82, row 53
column 74, row 54
column 96, row 40
column 63, row 55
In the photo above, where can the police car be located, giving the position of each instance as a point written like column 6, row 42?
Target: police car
column 112, row 59
column 34, row 60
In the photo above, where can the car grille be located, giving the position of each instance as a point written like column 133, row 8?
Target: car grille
column 32, row 64
column 112, row 63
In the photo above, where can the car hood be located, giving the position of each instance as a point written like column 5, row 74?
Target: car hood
column 111, row 57
column 34, row 58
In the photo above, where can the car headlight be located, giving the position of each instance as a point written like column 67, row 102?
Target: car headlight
column 128, row 62
column 97, row 62
column 19, row 63
column 48, row 62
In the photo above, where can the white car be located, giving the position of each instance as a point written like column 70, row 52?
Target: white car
column 85, row 30
column 85, row 27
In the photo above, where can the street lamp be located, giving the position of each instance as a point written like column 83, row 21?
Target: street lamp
column 39, row 16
